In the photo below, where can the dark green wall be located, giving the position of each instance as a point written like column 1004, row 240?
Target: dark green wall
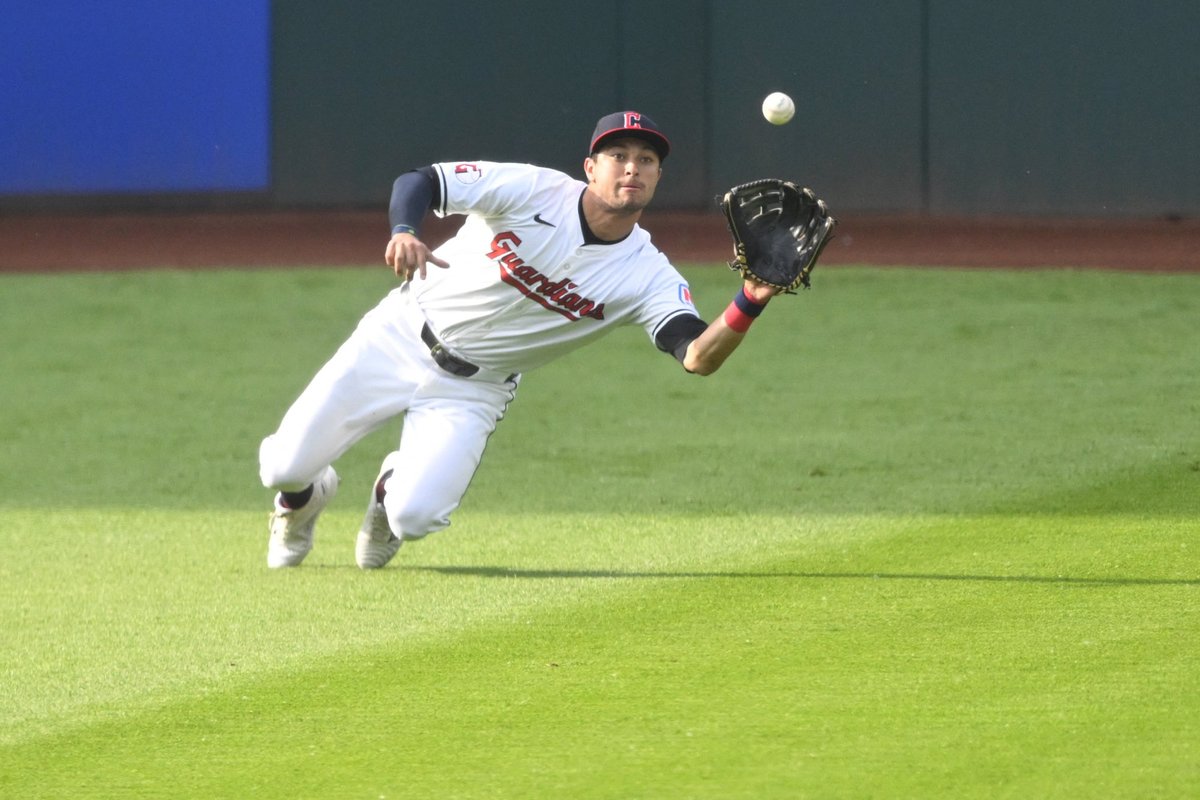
column 1065, row 107
column 1086, row 108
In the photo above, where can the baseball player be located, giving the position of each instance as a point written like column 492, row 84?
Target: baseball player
column 543, row 264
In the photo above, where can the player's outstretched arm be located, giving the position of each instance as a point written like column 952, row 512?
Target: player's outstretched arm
column 708, row 351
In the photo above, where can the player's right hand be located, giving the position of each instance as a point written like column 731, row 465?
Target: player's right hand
column 407, row 256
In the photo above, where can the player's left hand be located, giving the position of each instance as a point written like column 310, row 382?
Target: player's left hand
column 407, row 256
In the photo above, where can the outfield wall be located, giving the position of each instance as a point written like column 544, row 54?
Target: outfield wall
column 1065, row 108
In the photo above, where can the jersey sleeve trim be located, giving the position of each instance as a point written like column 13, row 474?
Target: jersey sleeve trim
column 440, row 201
column 663, row 322
column 677, row 332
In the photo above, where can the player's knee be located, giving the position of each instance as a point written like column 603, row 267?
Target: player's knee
column 277, row 470
column 414, row 519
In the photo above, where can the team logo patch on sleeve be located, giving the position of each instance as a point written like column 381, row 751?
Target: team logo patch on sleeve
column 685, row 293
column 467, row 173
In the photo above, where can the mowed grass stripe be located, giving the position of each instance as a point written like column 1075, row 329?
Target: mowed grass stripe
column 880, row 390
column 886, row 656
column 143, row 604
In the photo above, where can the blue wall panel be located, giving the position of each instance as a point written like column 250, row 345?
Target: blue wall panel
column 134, row 96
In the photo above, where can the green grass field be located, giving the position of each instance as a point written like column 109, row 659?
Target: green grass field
column 931, row 533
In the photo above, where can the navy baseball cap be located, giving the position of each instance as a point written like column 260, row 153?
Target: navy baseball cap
column 630, row 123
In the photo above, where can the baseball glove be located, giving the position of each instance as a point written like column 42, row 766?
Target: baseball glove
column 779, row 230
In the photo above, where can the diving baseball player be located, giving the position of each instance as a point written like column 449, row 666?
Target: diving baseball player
column 543, row 264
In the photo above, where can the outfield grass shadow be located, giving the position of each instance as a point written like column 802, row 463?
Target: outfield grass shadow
column 513, row 572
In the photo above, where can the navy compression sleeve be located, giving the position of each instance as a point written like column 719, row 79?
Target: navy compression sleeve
column 677, row 334
column 413, row 195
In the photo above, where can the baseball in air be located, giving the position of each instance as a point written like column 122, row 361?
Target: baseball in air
column 778, row 108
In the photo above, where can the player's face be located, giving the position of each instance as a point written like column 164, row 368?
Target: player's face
column 624, row 174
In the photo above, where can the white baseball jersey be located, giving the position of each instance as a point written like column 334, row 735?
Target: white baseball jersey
column 523, row 287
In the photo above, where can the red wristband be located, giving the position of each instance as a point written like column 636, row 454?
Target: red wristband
column 737, row 319
column 742, row 312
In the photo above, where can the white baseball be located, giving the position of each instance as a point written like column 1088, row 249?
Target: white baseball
column 778, row 108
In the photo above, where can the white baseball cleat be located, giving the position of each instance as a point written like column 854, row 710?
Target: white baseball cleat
column 292, row 528
column 376, row 543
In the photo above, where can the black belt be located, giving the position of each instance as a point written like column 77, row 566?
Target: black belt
column 455, row 366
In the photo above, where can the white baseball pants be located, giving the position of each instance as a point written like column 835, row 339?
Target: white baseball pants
column 382, row 371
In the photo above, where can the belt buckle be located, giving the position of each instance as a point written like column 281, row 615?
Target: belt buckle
column 451, row 364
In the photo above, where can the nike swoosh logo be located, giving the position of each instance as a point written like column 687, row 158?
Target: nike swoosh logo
column 538, row 219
